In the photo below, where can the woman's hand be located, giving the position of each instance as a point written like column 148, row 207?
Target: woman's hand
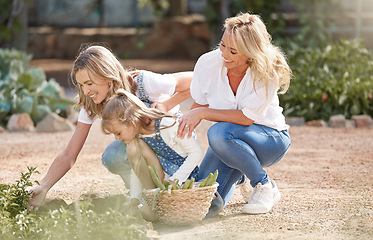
column 37, row 197
column 160, row 106
column 189, row 121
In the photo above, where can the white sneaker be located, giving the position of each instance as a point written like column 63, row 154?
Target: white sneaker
column 246, row 190
column 263, row 198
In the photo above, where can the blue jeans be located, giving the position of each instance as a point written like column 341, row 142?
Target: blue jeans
column 115, row 160
column 236, row 150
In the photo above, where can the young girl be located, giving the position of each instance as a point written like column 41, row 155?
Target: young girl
column 99, row 75
column 133, row 123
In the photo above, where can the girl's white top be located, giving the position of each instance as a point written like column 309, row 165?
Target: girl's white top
column 210, row 85
column 159, row 87
column 188, row 148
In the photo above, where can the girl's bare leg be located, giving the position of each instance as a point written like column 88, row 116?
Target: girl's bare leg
column 140, row 156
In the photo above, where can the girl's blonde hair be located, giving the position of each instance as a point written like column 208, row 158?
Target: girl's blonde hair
column 267, row 62
column 103, row 64
column 127, row 108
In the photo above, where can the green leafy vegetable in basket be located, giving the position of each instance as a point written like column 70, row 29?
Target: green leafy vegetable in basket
column 188, row 184
column 209, row 180
column 156, row 178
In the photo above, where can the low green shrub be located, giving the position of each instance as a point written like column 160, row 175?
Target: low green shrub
column 26, row 90
column 77, row 222
column 335, row 80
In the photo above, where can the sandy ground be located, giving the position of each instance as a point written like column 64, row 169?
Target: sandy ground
column 325, row 180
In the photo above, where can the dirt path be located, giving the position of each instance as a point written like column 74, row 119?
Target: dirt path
column 325, row 180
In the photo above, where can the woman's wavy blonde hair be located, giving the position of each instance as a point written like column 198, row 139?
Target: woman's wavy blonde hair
column 102, row 63
column 128, row 109
column 267, row 62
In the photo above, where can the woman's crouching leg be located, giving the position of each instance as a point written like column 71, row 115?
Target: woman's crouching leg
column 114, row 158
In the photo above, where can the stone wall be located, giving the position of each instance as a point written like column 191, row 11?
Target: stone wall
column 181, row 37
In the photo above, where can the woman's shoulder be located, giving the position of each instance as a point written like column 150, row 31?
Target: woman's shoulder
column 213, row 54
column 210, row 60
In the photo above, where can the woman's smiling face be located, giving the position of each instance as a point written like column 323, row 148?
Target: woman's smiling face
column 233, row 60
column 92, row 86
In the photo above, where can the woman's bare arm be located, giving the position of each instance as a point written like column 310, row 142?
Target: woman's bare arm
column 182, row 91
column 61, row 164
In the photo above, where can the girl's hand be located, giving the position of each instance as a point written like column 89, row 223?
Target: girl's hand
column 160, row 106
column 37, row 197
column 189, row 121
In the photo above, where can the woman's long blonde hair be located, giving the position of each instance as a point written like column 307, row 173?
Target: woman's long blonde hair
column 128, row 109
column 101, row 62
column 267, row 62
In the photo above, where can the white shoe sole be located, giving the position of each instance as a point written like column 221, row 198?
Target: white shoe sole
column 252, row 209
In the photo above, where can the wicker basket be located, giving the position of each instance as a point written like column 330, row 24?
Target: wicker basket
column 184, row 206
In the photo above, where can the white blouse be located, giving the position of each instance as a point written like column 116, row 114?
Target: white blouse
column 210, row 86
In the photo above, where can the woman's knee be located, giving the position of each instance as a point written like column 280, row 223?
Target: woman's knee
column 218, row 134
column 114, row 158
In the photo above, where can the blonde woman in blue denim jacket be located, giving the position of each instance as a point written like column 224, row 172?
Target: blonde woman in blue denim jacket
column 236, row 87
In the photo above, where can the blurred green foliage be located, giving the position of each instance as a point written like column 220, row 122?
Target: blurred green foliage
column 81, row 222
column 160, row 7
column 315, row 20
column 26, row 90
column 337, row 79
column 7, row 30
column 266, row 9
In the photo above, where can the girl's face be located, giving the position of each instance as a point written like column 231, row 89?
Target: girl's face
column 123, row 132
column 233, row 60
column 92, row 86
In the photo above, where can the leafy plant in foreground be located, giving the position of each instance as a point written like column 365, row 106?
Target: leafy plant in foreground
column 74, row 222
column 14, row 198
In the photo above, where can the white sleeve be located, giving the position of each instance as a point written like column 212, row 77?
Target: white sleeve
column 136, row 186
column 159, row 86
column 207, row 72
column 195, row 86
column 83, row 117
column 194, row 155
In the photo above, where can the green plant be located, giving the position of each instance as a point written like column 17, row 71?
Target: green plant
column 14, row 198
column 26, row 90
column 160, row 7
column 337, row 79
column 316, row 19
column 266, row 9
column 84, row 223
column 9, row 24
column 76, row 222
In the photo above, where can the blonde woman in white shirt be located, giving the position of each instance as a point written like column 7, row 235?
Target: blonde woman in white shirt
column 237, row 86
column 99, row 75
